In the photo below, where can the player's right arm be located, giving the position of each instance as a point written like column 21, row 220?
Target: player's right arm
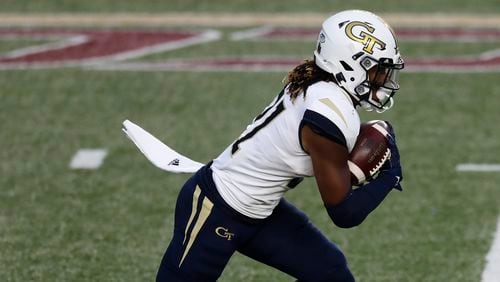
column 329, row 160
column 346, row 207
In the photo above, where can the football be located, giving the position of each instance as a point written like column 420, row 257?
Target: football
column 370, row 151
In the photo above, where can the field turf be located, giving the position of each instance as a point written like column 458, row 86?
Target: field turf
column 113, row 224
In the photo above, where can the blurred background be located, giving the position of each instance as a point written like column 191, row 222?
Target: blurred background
column 194, row 74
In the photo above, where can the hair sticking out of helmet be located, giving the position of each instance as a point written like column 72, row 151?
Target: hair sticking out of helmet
column 360, row 50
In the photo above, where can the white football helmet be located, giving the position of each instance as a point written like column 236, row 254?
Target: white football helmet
column 361, row 51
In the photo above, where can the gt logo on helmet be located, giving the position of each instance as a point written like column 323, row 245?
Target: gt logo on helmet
column 367, row 39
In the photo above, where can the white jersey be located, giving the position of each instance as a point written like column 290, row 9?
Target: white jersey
column 254, row 172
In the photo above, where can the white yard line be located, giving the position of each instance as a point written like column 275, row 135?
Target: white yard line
column 478, row 168
column 63, row 43
column 251, row 33
column 490, row 54
column 491, row 272
column 237, row 19
column 88, row 159
column 207, row 36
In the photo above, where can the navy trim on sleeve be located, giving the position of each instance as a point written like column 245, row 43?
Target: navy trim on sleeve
column 322, row 126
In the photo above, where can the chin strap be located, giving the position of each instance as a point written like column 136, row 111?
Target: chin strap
column 388, row 105
column 369, row 106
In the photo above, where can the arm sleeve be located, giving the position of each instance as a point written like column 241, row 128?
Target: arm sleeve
column 361, row 201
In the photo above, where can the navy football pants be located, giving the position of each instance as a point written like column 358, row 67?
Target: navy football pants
column 207, row 232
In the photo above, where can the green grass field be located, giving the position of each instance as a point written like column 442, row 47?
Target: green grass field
column 113, row 224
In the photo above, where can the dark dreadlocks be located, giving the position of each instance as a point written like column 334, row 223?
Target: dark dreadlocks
column 303, row 76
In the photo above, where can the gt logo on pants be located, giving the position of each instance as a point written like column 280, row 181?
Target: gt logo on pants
column 224, row 233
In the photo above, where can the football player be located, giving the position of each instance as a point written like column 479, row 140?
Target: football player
column 235, row 202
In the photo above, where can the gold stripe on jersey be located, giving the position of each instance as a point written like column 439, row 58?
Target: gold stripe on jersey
column 332, row 106
column 196, row 195
column 206, row 209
